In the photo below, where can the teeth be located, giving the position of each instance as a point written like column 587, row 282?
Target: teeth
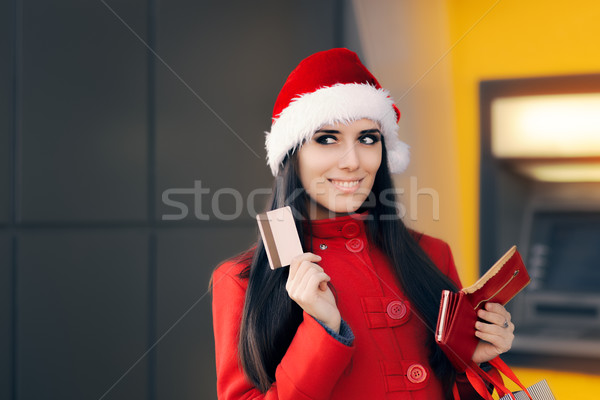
column 346, row 184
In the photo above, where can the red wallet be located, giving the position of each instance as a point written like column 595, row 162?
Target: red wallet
column 455, row 331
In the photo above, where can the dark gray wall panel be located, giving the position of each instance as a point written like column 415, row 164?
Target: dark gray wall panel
column 6, row 106
column 6, row 306
column 233, row 60
column 84, row 111
column 186, row 258
column 82, row 314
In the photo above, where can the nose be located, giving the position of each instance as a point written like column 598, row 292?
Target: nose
column 349, row 158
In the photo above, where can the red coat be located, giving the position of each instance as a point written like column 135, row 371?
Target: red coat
column 388, row 359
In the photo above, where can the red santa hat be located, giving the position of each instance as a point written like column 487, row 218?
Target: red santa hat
column 330, row 87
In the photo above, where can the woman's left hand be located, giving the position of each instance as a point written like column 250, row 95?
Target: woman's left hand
column 496, row 334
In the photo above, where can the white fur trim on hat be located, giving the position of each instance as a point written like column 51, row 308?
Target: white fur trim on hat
column 340, row 103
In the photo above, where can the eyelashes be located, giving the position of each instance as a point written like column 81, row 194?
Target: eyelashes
column 326, row 139
column 368, row 139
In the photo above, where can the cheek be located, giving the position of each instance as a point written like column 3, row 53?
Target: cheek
column 312, row 165
column 371, row 162
column 374, row 166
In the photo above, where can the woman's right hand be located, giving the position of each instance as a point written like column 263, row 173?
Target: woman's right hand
column 307, row 286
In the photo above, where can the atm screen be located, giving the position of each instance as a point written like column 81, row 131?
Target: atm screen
column 568, row 252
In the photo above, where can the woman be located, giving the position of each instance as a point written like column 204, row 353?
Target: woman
column 353, row 317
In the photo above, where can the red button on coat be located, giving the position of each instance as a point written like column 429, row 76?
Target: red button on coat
column 416, row 373
column 350, row 230
column 355, row 245
column 396, row 309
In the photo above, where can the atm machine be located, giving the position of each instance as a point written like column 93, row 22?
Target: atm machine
column 540, row 189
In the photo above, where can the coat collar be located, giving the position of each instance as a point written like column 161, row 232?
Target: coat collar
column 343, row 226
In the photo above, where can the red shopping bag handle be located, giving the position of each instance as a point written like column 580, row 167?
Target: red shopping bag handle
column 478, row 378
column 505, row 369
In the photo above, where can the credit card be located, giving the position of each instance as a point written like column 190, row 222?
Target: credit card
column 280, row 236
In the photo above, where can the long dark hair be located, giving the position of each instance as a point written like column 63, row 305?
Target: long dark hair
column 270, row 317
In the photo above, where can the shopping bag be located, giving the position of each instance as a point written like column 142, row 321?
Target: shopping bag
column 539, row 391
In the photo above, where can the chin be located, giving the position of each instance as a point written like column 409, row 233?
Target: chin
column 348, row 208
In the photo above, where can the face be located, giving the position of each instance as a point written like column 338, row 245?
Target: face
column 338, row 166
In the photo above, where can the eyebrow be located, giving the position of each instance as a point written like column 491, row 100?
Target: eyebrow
column 333, row 131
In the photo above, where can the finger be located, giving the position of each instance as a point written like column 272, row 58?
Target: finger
column 502, row 328
column 492, row 318
column 299, row 265
column 491, row 329
column 498, row 309
column 498, row 347
column 501, row 339
column 306, row 267
column 311, row 281
column 307, row 290
column 308, row 256
column 500, row 343
column 298, row 260
column 494, row 329
column 495, row 315
column 318, row 282
column 297, row 282
column 294, row 279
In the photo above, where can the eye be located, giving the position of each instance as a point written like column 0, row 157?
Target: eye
column 326, row 139
column 369, row 139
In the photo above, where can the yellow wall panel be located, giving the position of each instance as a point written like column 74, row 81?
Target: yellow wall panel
column 510, row 39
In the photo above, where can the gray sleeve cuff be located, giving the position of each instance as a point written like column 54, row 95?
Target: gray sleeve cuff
column 346, row 336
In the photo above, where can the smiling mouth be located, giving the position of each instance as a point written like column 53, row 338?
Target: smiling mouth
column 345, row 184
